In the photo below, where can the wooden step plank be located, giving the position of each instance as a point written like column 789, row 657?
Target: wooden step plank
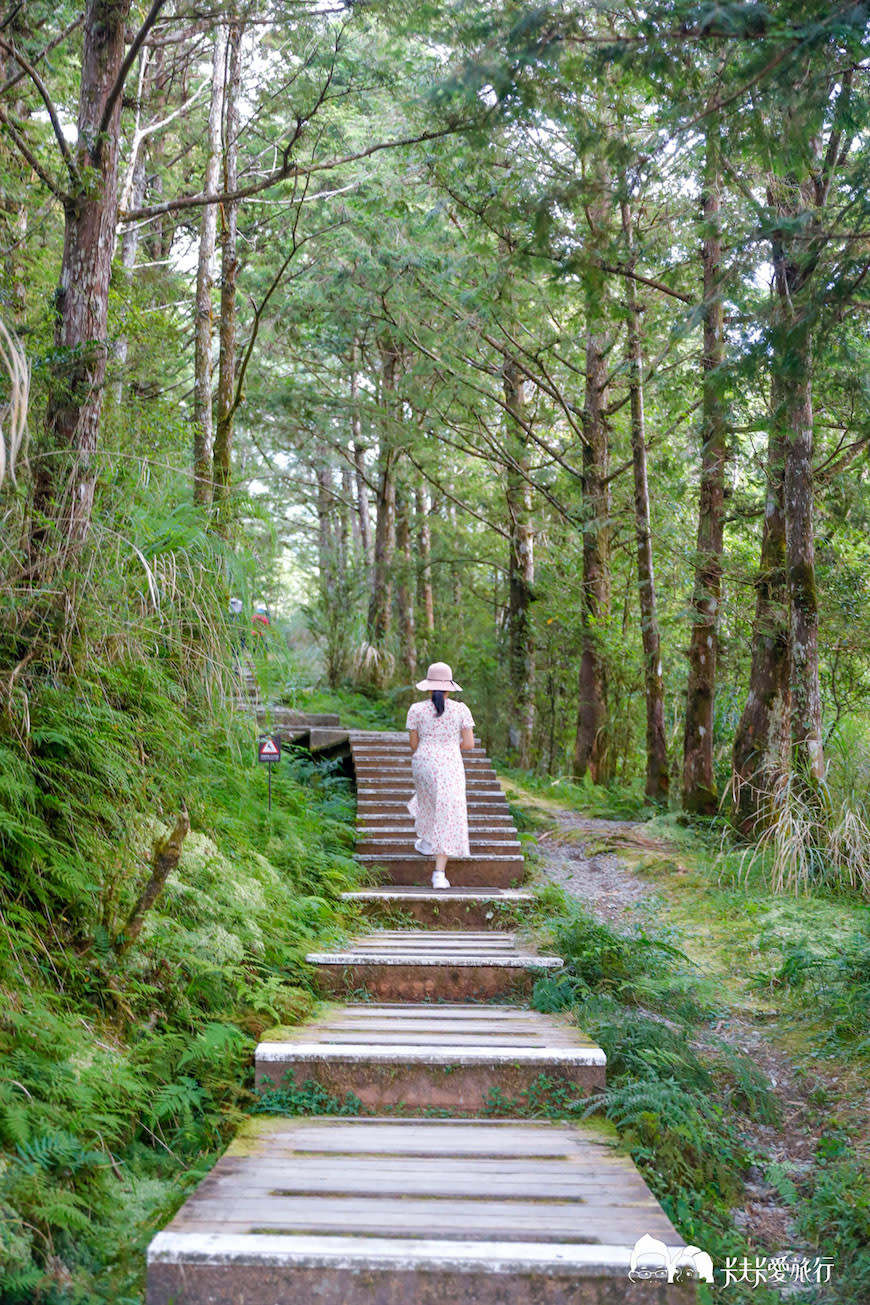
column 555, row 1228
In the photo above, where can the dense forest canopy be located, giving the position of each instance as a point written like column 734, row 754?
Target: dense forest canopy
column 539, row 330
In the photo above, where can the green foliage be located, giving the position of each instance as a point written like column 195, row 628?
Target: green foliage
column 835, row 984
column 126, row 1069
column 835, row 1214
column 307, row 1098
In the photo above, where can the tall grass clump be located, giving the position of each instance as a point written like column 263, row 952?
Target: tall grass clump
column 810, row 836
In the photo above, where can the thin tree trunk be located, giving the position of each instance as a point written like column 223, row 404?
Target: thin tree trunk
column 381, row 602
column 129, row 248
column 425, row 592
column 326, row 550
column 65, row 477
column 699, row 784
column 521, row 570
column 592, row 749
column 761, row 743
column 359, row 459
column 792, row 339
column 657, row 779
column 348, row 530
column 405, row 587
column 202, row 347
column 806, row 701
column 226, row 394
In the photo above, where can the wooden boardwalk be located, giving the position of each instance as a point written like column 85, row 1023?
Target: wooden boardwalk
column 395, row 1207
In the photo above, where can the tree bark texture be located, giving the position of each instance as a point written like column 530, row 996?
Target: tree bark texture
column 699, row 783
column 806, row 701
column 405, row 586
column 203, row 426
column 521, row 569
column 792, row 339
column 657, row 778
column 359, row 460
column 227, row 334
column 325, row 506
column 381, row 601
column 65, row 478
column 761, row 743
column 592, row 749
column 425, row 590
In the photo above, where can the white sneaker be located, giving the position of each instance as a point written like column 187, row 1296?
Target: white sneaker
column 423, row 846
column 439, row 879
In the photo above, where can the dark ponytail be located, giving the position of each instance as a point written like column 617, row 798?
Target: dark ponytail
column 438, row 701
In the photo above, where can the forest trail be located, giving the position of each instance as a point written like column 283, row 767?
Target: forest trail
column 387, row 1203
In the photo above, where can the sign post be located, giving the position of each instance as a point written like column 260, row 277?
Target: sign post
column 268, row 753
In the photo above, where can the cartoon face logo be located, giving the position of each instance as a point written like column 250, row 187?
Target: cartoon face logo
column 653, row 1261
column 650, row 1261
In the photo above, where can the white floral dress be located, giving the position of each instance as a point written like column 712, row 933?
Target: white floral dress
column 439, row 805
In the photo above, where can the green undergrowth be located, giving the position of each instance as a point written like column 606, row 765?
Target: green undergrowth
column 306, row 1098
column 689, row 1106
column 602, row 802
column 126, row 1064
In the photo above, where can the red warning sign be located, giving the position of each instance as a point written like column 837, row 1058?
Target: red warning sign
column 268, row 750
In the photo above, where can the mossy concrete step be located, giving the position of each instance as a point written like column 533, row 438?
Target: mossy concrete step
column 448, row 908
column 377, row 1212
column 464, row 872
column 432, row 965
column 289, row 717
column 413, row 1058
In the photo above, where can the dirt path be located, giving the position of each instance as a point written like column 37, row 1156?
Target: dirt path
column 582, row 855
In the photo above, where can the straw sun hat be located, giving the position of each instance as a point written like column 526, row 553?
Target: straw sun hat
column 440, row 676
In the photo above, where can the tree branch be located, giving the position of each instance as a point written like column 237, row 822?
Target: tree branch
column 279, row 174
column 52, row 45
column 124, row 70
column 167, row 854
column 27, row 153
column 49, row 105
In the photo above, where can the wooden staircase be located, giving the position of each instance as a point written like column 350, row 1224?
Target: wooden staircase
column 394, row 1206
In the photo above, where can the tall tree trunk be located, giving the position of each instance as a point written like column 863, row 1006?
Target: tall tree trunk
column 226, row 394
column 129, row 250
column 65, row 477
column 381, row 602
column 359, row 459
column 761, row 743
column 792, row 339
column 657, row 780
column 699, row 784
column 364, row 523
column 326, row 544
column 806, row 701
column 425, row 592
column 348, row 534
column 202, row 345
column 405, row 586
column 592, row 749
column 521, row 569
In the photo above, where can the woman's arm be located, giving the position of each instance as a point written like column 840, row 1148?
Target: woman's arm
column 415, row 740
column 466, row 743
